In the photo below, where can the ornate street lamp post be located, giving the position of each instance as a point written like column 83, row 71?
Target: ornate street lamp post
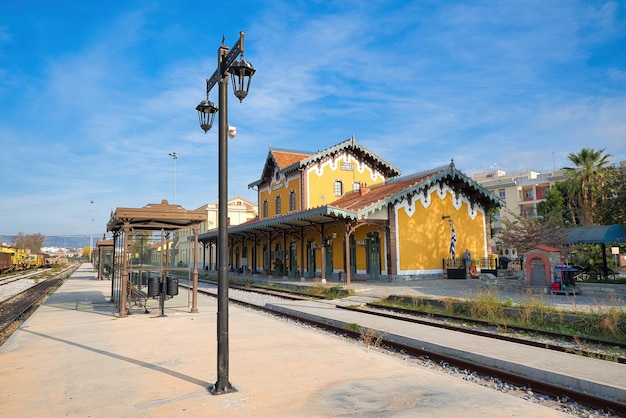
column 175, row 157
column 242, row 72
column 91, row 260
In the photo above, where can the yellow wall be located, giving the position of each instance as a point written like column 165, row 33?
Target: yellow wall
column 277, row 188
column 321, row 180
column 337, row 245
column 424, row 238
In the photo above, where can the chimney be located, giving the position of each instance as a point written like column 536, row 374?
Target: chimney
column 364, row 189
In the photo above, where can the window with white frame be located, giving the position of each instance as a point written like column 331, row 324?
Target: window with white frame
column 338, row 188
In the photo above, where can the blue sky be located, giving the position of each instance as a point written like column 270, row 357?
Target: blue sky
column 94, row 96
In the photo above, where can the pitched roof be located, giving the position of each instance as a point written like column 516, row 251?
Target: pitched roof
column 282, row 160
column 371, row 195
column 289, row 160
column 547, row 248
column 285, row 159
column 356, row 205
column 393, row 191
column 360, row 151
column 154, row 217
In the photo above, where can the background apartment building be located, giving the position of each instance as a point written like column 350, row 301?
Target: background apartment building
column 240, row 210
column 520, row 191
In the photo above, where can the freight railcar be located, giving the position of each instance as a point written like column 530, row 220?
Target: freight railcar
column 6, row 264
column 15, row 259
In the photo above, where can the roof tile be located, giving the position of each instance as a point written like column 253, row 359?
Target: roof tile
column 285, row 158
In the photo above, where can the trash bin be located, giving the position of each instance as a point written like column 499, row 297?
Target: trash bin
column 153, row 286
column 504, row 262
column 172, row 286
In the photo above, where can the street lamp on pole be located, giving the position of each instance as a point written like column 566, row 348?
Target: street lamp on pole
column 242, row 72
column 175, row 157
column 91, row 202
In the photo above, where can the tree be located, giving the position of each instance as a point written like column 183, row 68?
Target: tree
column 613, row 199
column 141, row 243
column 586, row 181
column 32, row 242
column 556, row 206
column 526, row 233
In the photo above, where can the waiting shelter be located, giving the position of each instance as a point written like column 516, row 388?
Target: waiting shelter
column 134, row 231
column 103, row 257
column 603, row 235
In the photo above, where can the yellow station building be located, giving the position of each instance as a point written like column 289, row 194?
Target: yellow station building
column 344, row 212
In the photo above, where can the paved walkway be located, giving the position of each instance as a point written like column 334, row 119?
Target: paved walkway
column 74, row 357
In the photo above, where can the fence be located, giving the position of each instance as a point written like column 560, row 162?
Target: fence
column 456, row 269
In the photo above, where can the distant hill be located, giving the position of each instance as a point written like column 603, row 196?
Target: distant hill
column 72, row 241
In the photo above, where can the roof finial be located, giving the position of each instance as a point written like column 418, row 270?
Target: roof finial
column 452, row 163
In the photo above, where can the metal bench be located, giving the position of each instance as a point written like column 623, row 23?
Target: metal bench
column 138, row 297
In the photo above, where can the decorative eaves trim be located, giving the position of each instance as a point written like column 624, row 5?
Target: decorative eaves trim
column 349, row 143
column 451, row 172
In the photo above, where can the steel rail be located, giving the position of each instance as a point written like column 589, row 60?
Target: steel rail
column 551, row 334
column 13, row 308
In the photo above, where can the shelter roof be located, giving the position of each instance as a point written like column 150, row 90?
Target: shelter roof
column 105, row 243
column 155, row 217
column 319, row 215
column 608, row 234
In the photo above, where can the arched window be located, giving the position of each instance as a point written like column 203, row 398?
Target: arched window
column 278, row 205
column 292, row 201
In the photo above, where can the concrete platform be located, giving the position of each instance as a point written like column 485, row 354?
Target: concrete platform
column 585, row 374
column 74, row 357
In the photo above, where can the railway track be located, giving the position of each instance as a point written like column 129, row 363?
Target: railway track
column 557, row 392
column 565, row 343
column 18, row 276
column 585, row 346
column 17, row 308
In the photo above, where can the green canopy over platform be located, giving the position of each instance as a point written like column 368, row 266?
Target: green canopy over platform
column 609, row 234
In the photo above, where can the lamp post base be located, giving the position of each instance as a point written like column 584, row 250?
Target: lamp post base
column 221, row 388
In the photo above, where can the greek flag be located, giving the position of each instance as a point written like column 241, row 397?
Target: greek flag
column 453, row 244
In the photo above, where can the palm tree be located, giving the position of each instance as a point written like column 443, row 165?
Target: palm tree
column 586, row 181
